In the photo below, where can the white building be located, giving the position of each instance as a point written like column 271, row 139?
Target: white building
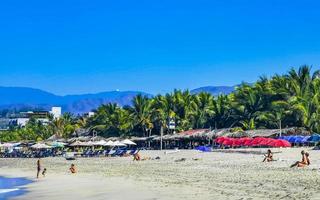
column 43, row 116
column 56, row 112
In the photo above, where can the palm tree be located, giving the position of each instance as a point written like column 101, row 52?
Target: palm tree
column 141, row 113
column 222, row 113
column 203, row 109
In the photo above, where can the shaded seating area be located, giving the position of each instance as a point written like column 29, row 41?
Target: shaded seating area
column 100, row 148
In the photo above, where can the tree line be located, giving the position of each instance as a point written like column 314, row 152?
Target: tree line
column 283, row 101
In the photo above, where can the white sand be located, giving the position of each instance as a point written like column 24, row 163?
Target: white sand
column 216, row 175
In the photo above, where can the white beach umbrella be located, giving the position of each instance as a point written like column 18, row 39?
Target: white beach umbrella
column 77, row 143
column 128, row 142
column 7, row 145
column 90, row 143
column 40, row 146
column 119, row 144
column 109, row 143
column 100, row 143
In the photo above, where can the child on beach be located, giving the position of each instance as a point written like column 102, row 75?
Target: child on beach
column 44, row 172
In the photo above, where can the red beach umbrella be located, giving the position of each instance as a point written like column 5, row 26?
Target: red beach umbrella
column 256, row 141
column 271, row 141
column 244, row 140
column 219, row 140
column 265, row 142
column 248, row 142
column 228, row 142
column 236, row 142
column 280, row 143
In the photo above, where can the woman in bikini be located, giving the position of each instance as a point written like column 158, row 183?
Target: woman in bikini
column 304, row 162
column 268, row 157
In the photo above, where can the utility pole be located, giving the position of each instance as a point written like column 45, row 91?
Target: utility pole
column 161, row 135
column 280, row 128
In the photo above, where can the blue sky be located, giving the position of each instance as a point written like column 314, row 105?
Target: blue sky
column 71, row 47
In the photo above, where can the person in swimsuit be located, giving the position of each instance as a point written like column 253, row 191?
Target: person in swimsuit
column 136, row 157
column 73, row 169
column 38, row 167
column 304, row 162
column 268, row 157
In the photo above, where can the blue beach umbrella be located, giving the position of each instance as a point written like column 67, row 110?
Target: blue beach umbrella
column 314, row 138
column 305, row 139
column 292, row 139
column 298, row 139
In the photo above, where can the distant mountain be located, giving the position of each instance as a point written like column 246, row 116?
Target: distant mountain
column 214, row 90
column 23, row 98
column 29, row 98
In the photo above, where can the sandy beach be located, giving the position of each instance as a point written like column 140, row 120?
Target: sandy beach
column 227, row 174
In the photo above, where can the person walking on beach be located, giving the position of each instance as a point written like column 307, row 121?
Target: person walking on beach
column 38, row 167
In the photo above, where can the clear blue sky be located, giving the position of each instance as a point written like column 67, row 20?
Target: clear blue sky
column 70, row 47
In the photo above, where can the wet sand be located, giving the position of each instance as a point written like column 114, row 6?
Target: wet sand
column 226, row 174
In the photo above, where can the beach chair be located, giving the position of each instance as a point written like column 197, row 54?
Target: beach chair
column 111, row 152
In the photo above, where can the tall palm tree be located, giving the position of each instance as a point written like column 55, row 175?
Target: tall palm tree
column 222, row 113
column 141, row 113
column 202, row 110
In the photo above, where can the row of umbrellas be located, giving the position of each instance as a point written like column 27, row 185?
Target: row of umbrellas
column 9, row 145
column 104, row 143
column 252, row 142
column 300, row 139
column 57, row 144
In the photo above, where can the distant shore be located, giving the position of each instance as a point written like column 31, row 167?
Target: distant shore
column 217, row 175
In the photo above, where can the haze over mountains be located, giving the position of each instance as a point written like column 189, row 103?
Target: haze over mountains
column 29, row 98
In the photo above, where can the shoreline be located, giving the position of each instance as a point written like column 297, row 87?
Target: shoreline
column 11, row 187
column 216, row 175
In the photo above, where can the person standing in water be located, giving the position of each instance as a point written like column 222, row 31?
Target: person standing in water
column 38, row 167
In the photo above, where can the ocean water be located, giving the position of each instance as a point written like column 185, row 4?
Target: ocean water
column 11, row 187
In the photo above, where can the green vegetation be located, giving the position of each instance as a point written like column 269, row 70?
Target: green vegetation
column 281, row 101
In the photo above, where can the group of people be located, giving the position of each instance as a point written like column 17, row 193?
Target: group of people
column 305, row 161
column 72, row 169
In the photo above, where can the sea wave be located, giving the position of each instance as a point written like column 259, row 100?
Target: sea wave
column 8, row 190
